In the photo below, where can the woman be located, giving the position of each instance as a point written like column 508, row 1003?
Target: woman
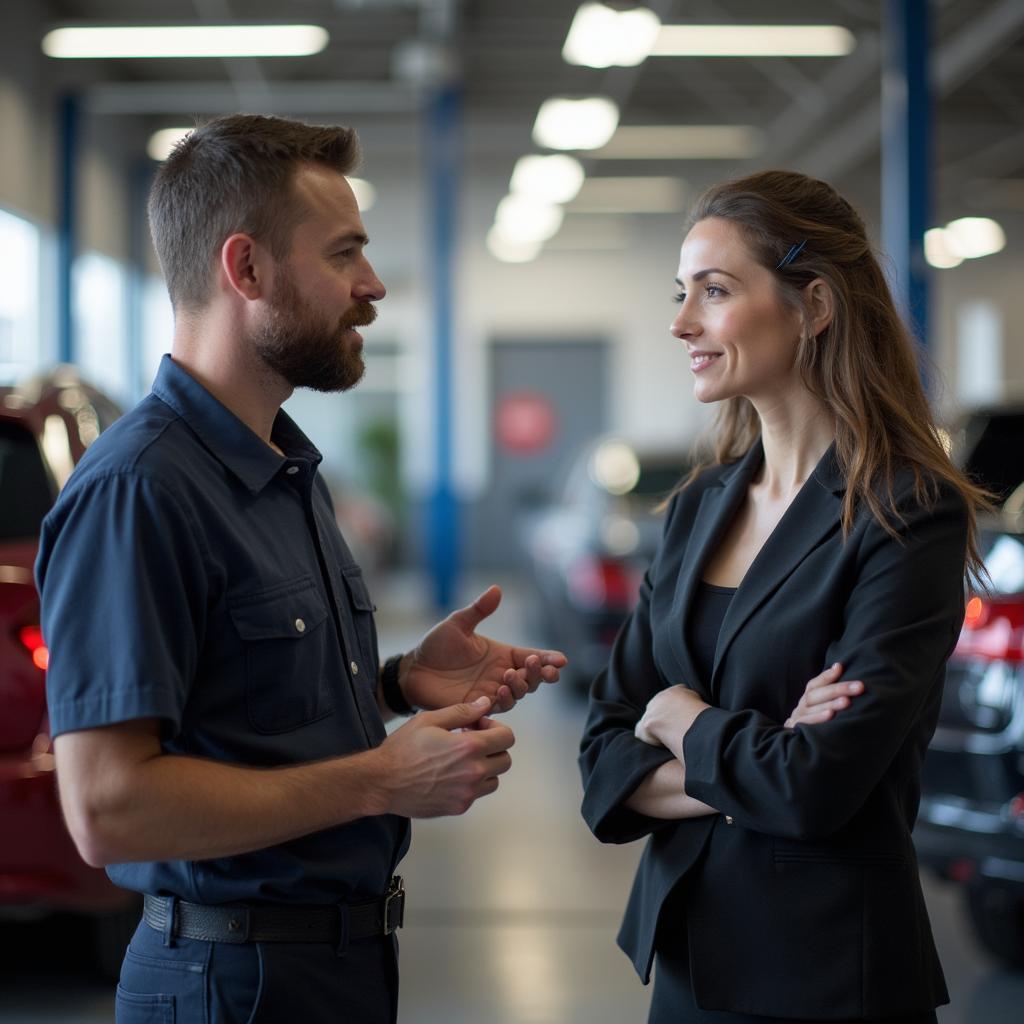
column 828, row 539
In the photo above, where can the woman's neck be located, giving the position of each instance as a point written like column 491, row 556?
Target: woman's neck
column 795, row 434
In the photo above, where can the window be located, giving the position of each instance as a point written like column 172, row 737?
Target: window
column 20, row 345
column 99, row 309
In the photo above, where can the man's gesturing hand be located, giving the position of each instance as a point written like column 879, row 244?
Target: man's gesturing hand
column 454, row 663
column 440, row 762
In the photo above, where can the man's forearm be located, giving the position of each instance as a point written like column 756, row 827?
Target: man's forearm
column 185, row 808
column 661, row 795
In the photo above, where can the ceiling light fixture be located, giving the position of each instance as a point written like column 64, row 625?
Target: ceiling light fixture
column 124, row 41
column 552, row 179
column 575, row 124
column 510, row 250
column 162, row 142
column 937, row 250
column 527, row 220
column 974, row 237
column 683, row 142
column 365, row 193
column 601, row 36
column 753, row 41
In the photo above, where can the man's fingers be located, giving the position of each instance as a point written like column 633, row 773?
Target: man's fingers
column 494, row 737
column 473, row 614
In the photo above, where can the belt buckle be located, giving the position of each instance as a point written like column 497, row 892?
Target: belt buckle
column 394, row 905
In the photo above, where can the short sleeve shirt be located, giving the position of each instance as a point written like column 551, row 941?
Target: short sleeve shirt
column 191, row 574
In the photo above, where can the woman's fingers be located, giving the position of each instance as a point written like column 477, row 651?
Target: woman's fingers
column 823, row 694
column 830, row 675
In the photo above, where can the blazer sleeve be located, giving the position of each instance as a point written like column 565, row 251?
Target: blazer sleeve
column 900, row 624
column 613, row 761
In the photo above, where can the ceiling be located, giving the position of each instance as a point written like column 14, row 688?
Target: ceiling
column 820, row 115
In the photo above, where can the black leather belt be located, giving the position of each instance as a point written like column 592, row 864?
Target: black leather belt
column 237, row 922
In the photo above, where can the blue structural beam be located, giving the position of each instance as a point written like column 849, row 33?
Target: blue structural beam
column 67, row 206
column 443, row 158
column 906, row 155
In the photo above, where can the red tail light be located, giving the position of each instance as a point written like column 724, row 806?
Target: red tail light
column 603, row 583
column 993, row 630
column 31, row 638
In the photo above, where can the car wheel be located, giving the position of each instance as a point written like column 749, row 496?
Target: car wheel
column 997, row 915
column 111, row 934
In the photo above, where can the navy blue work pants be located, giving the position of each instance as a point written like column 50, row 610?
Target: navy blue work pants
column 187, row 981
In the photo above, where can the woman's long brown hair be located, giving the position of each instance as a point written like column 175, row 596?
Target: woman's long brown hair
column 863, row 366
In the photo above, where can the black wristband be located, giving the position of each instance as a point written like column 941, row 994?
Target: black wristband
column 390, row 690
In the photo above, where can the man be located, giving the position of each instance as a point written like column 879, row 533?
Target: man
column 213, row 686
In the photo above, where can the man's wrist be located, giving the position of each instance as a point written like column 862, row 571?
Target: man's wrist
column 392, row 674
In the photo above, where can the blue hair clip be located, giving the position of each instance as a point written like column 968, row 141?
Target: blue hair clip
column 791, row 255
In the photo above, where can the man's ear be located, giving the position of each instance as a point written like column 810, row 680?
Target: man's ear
column 819, row 303
column 244, row 263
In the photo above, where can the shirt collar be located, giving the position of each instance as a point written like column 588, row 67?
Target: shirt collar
column 227, row 438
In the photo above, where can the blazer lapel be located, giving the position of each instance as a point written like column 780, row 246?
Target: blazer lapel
column 814, row 514
column 718, row 505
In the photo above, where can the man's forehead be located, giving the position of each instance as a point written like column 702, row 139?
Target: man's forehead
column 329, row 201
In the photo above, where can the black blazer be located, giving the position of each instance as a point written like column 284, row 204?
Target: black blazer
column 808, row 903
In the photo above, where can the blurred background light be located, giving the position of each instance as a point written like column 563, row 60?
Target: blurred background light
column 365, row 192
column 937, row 250
column 553, row 179
column 163, row 141
column 511, row 250
column 528, row 220
column 601, row 36
column 575, row 124
column 633, row 194
column 615, row 467
column 753, row 41
column 185, row 41
column 973, row 237
column 683, row 142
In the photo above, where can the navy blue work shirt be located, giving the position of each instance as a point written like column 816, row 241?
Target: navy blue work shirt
column 191, row 574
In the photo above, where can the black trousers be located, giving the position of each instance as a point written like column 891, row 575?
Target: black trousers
column 257, row 983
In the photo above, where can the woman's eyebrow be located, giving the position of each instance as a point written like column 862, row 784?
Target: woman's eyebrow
column 701, row 274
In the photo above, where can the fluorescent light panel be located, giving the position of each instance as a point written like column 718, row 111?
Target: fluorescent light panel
column 601, row 36
column 554, row 179
column 630, row 195
column 575, row 123
column 683, row 142
column 185, row 41
column 753, row 41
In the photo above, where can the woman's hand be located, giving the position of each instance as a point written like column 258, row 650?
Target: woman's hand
column 823, row 697
column 668, row 717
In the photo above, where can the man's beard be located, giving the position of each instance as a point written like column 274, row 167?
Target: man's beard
column 307, row 350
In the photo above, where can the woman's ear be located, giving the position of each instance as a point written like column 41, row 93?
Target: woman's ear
column 819, row 305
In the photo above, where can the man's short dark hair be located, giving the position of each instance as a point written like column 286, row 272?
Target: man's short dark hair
column 234, row 174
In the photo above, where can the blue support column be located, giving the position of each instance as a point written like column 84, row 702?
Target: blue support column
column 443, row 159
column 141, row 179
column 906, row 155
column 67, row 230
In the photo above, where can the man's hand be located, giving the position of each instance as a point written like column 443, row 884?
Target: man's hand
column 823, row 697
column 454, row 664
column 440, row 762
column 668, row 717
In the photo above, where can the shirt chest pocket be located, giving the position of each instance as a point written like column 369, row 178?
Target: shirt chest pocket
column 290, row 655
column 362, row 620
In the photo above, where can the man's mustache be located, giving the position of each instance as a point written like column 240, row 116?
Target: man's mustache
column 361, row 314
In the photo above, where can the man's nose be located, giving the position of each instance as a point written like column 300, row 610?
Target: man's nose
column 370, row 287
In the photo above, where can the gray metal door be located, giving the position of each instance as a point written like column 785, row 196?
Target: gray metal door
column 548, row 398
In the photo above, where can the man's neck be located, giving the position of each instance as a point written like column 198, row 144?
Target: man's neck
column 218, row 358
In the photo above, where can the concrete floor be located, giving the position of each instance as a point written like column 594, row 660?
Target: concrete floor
column 512, row 909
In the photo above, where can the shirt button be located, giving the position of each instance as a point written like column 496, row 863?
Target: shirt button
column 300, row 625
column 292, row 470
column 728, row 819
column 354, row 667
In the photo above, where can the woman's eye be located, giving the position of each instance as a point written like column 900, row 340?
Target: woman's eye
column 714, row 290
column 679, row 297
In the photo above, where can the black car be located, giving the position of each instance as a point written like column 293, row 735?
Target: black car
column 971, row 824
column 589, row 549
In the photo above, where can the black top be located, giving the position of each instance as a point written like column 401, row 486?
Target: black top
column 189, row 573
column 705, row 623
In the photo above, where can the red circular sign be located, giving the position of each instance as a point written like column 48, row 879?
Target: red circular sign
column 525, row 422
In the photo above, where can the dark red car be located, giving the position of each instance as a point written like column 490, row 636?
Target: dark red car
column 45, row 426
